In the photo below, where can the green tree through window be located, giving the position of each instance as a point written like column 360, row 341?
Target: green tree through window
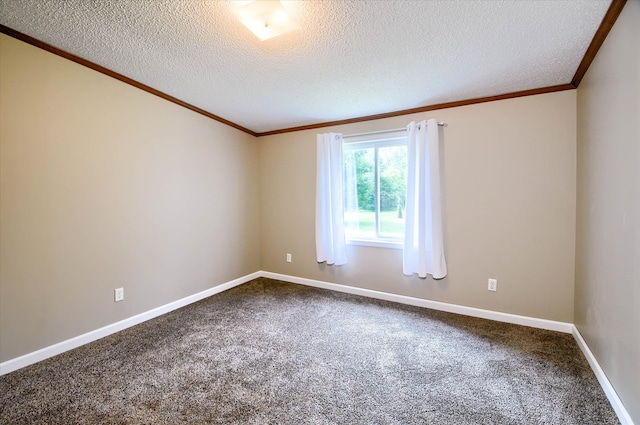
column 375, row 189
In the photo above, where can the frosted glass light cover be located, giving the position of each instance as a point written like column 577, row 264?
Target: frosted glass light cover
column 265, row 18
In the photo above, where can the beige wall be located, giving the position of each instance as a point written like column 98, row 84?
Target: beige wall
column 509, row 194
column 607, row 305
column 103, row 186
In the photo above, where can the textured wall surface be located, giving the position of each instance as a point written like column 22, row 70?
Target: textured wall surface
column 509, row 195
column 351, row 58
column 104, row 186
column 608, row 221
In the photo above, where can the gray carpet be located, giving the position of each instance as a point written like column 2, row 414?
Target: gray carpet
column 270, row 352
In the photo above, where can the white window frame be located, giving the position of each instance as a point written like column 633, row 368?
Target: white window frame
column 376, row 141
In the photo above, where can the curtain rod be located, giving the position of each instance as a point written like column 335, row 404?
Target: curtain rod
column 393, row 130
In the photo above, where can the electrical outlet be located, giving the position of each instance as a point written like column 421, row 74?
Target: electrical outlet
column 119, row 294
column 288, row 257
column 493, row 285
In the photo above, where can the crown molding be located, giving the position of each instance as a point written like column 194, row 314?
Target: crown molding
column 101, row 69
column 426, row 108
column 605, row 27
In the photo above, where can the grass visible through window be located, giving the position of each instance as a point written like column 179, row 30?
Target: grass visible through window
column 389, row 223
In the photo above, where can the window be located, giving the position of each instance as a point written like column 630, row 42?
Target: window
column 375, row 183
column 373, row 190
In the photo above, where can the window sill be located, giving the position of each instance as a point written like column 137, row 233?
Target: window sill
column 379, row 243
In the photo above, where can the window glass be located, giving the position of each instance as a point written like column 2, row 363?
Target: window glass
column 375, row 176
column 393, row 187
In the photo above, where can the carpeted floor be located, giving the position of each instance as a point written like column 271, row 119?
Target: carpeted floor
column 270, row 352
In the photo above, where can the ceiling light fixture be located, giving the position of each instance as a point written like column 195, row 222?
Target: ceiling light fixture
column 265, row 18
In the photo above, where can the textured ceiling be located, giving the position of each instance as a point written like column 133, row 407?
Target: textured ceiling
column 350, row 59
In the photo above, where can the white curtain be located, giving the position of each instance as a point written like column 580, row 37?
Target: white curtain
column 330, row 240
column 423, row 243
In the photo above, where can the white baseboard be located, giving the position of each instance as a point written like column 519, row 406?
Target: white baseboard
column 69, row 344
column 435, row 305
column 616, row 403
column 61, row 347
